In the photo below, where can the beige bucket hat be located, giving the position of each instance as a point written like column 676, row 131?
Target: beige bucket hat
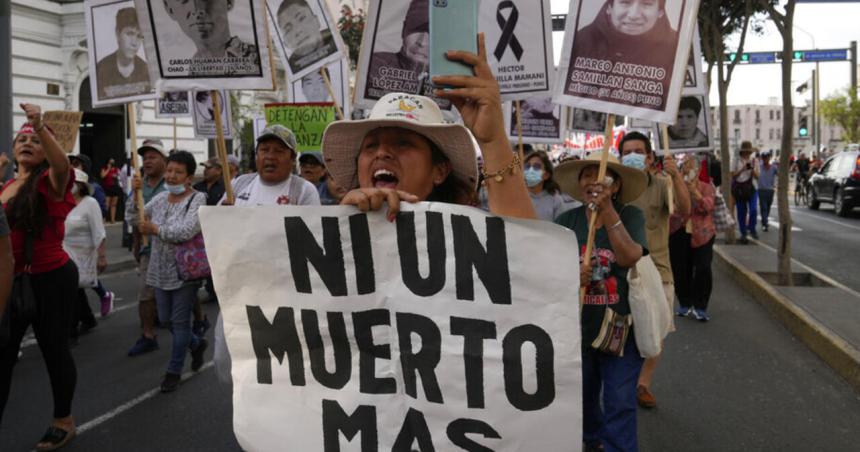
column 341, row 141
column 633, row 181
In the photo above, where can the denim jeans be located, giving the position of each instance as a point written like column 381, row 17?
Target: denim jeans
column 765, row 198
column 174, row 307
column 615, row 425
column 747, row 223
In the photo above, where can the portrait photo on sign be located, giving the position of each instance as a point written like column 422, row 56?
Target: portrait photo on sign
column 206, row 44
column 518, row 34
column 395, row 52
column 588, row 120
column 305, row 35
column 694, row 79
column 542, row 121
column 312, row 87
column 173, row 104
column 204, row 114
column 692, row 128
column 118, row 67
column 626, row 57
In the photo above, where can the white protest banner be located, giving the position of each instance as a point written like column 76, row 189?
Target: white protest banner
column 395, row 52
column 613, row 64
column 518, row 34
column 173, row 104
column 542, row 121
column 312, row 89
column 692, row 131
column 305, row 34
column 200, row 45
column 445, row 328
column 204, row 115
column 694, row 78
column 119, row 73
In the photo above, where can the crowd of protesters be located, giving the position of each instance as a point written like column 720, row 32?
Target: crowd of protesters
column 647, row 206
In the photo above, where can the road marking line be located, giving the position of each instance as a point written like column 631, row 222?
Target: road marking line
column 819, row 217
column 134, row 402
column 815, row 272
column 775, row 223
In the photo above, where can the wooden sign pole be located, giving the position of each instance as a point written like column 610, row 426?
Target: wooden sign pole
column 331, row 93
column 520, row 131
column 175, row 145
column 221, row 146
column 601, row 175
column 138, row 194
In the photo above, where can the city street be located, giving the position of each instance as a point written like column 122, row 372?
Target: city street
column 740, row 382
column 822, row 240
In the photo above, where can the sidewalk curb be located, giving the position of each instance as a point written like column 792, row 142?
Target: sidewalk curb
column 843, row 357
column 120, row 266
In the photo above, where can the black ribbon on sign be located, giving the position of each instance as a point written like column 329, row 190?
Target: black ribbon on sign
column 508, row 38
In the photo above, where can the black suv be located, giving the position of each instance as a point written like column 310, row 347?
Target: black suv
column 838, row 183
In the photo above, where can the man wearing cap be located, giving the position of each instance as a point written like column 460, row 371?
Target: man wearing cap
column 313, row 170
column 154, row 163
column 123, row 73
column 273, row 183
column 213, row 181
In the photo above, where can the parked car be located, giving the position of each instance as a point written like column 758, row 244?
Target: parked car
column 837, row 183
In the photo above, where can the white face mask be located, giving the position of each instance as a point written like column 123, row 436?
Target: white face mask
column 175, row 189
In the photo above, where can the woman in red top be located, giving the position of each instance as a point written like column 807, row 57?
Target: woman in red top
column 110, row 182
column 37, row 202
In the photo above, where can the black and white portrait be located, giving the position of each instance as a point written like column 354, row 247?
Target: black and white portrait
column 518, row 34
column 118, row 67
column 312, row 87
column 204, row 114
column 692, row 129
column 541, row 120
column 395, row 53
column 203, row 44
column 694, row 79
column 626, row 56
column 305, row 35
column 588, row 120
column 173, row 104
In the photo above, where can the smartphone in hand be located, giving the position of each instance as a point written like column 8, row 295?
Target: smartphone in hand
column 453, row 26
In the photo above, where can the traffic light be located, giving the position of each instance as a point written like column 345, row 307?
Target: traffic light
column 802, row 127
column 745, row 58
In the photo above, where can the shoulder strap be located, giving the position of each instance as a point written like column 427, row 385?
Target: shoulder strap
column 188, row 204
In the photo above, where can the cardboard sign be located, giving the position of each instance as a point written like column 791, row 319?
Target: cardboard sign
column 542, row 121
column 119, row 69
column 65, row 125
column 442, row 329
column 518, row 35
column 204, row 115
column 194, row 45
column 312, row 88
column 307, row 120
column 305, row 34
column 636, row 68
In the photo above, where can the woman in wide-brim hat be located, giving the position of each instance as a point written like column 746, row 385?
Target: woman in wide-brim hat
column 405, row 150
column 618, row 244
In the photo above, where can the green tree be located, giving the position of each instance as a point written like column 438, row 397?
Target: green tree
column 843, row 109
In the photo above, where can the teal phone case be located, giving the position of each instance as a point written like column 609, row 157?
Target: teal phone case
column 453, row 26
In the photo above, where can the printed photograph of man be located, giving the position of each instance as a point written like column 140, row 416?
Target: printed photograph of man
column 588, row 120
column 630, row 31
column 314, row 88
column 207, row 25
column 123, row 73
column 204, row 108
column 305, row 36
column 403, row 68
column 686, row 132
column 540, row 118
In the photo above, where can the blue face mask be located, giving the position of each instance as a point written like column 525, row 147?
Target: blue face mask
column 634, row 160
column 175, row 189
column 533, row 176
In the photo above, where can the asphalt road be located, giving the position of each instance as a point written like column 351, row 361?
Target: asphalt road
column 740, row 382
column 822, row 240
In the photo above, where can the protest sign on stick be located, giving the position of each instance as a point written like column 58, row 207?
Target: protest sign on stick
column 305, row 34
column 175, row 145
column 307, row 120
column 627, row 67
column 206, row 45
column 331, row 93
column 350, row 332
column 540, row 121
column 221, row 146
column 519, row 131
column 601, row 174
column 312, row 87
column 693, row 129
column 204, row 115
column 519, row 46
column 119, row 70
column 138, row 194
column 173, row 104
column 65, row 125
column 694, row 79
